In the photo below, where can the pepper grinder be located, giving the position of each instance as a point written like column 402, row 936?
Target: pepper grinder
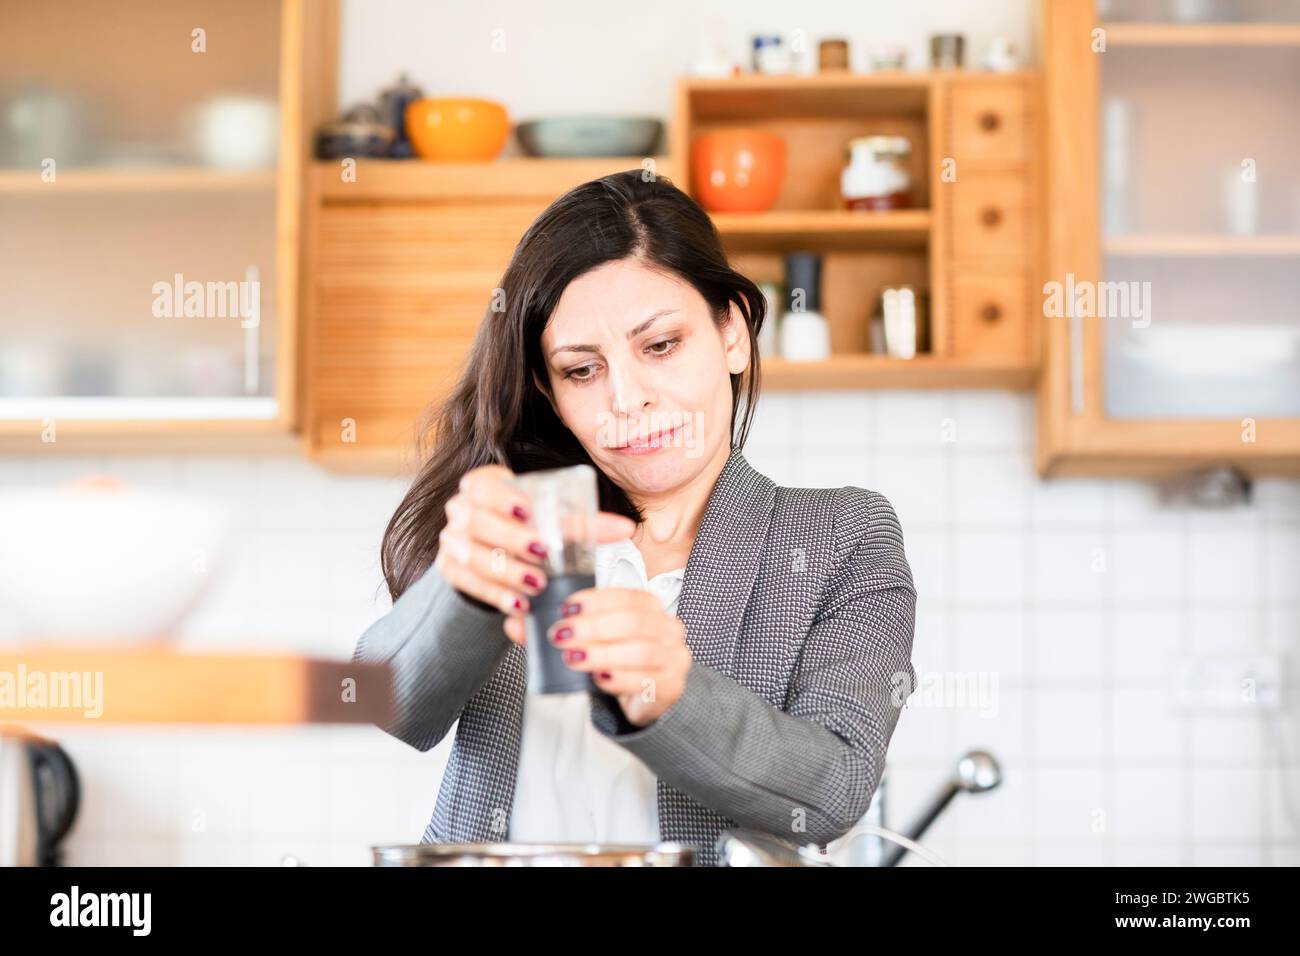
column 804, row 333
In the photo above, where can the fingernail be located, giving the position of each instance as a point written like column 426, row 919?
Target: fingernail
column 564, row 633
column 604, row 675
column 538, row 549
column 575, row 657
column 518, row 605
column 531, row 581
column 570, row 609
column 519, row 513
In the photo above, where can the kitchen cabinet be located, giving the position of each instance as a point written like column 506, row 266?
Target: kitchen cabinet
column 151, row 162
column 403, row 261
column 402, row 258
column 970, row 244
column 1169, row 297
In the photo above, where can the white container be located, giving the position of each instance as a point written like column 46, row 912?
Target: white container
column 1240, row 203
column 1000, row 56
column 99, row 561
column 773, row 58
column 876, row 176
column 236, row 132
column 805, row 337
column 1119, row 135
column 899, row 308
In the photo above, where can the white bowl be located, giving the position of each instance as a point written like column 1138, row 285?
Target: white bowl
column 237, row 132
column 97, row 561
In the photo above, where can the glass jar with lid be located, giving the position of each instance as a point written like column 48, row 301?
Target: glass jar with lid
column 876, row 176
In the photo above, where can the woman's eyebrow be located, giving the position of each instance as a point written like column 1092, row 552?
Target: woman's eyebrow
column 631, row 335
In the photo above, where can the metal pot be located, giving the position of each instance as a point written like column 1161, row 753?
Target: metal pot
column 534, row 854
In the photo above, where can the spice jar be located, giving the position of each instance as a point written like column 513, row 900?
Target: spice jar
column 770, row 55
column 833, row 55
column 876, row 176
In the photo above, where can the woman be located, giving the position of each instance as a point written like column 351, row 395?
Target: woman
column 751, row 643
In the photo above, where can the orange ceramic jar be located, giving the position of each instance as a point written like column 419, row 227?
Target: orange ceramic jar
column 738, row 170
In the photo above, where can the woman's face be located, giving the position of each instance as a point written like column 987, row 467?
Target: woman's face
column 633, row 354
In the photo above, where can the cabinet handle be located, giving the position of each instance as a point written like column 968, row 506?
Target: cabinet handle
column 252, row 333
column 991, row 216
column 1077, row 366
column 989, row 121
column 991, row 312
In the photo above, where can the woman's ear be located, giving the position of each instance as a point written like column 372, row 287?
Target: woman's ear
column 735, row 340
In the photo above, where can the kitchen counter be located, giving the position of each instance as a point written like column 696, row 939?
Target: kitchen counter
column 151, row 685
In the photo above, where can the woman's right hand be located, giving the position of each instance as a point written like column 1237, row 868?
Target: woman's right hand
column 489, row 548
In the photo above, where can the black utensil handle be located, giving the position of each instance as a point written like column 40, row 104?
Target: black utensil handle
column 58, row 797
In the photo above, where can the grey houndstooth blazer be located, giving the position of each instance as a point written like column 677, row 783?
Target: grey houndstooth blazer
column 799, row 607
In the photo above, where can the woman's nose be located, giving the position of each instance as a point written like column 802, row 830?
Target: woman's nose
column 629, row 390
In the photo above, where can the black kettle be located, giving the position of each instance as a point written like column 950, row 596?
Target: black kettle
column 39, row 796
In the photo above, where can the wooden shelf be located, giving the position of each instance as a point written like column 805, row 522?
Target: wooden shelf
column 158, row 686
column 807, row 95
column 84, row 180
column 831, row 94
column 783, row 230
column 115, row 425
column 118, row 408
column 1202, row 245
column 880, row 371
column 1202, row 34
column 416, row 180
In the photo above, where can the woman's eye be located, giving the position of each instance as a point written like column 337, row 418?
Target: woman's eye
column 660, row 349
column 664, row 347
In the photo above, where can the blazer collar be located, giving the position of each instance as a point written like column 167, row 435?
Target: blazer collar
column 724, row 560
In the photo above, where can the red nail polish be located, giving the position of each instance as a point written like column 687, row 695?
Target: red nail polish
column 538, row 549
column 519, row 513
column 570, row 609
column 575, row 657
column 519, row 605
column 605, row 675
column 531, row 581
column 564, row 633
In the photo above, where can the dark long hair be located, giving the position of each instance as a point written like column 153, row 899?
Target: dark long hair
column 496, row 414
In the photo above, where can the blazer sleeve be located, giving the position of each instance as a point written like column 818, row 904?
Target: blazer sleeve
column 806, row 772
column 441, row 647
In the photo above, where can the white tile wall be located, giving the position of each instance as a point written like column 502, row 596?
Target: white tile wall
column 1074, row 600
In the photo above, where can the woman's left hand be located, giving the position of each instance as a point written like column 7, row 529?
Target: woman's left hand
column 632, row 647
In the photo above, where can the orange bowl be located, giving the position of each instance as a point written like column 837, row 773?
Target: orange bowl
column 457, row 129
column 738, row 170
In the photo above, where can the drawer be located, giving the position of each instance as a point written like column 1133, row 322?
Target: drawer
column 989, row 123
column 990, row 217
column 990, row 315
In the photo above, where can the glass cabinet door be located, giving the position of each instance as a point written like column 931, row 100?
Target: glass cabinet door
column 138, row 156
column 1199, row 137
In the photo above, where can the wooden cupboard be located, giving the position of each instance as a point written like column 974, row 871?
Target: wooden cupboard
column 969, row 245
column 1169, row 294
column 145, row 148
column 403, row 261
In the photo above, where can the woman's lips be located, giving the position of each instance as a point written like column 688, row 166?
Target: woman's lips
column 648, row 446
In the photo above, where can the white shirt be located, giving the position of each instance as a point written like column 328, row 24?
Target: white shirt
column 574, row 784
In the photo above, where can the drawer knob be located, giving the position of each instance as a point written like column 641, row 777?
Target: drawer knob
column 991, row 216
column 989, row 121
column 990, row 312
